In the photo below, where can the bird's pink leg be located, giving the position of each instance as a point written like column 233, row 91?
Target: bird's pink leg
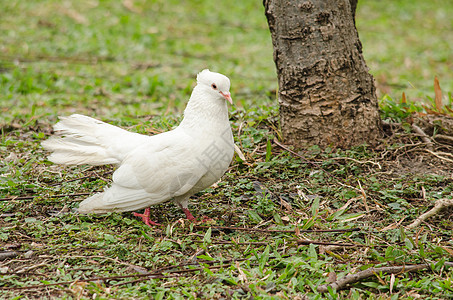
column 188, row 214
column 146, row 219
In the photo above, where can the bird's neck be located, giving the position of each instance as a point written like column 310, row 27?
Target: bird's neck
column 201, row 111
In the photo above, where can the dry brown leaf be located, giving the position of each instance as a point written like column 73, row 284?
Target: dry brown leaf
column 392, row 282
column 136, row 269
column 403, row 98
column 242, row 277
column 438, row 95
column 430, row 111
column 285, row 204
column 365, row 203
column 393, row 225
column 239, row 153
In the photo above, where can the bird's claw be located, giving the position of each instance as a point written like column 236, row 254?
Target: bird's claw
column 145, row 218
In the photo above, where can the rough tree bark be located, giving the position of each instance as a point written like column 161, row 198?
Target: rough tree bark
column 326, row 94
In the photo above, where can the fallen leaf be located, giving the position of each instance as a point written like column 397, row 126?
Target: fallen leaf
column 438, row 95
column 136, row 269
column 285, row 219
column 12, row 158
column 36, row 245
column 430, row 111
column 28, row 254
column 285, row 205
column 242, row 276
column 392, row 282
column 239, row 153
column 403, row 98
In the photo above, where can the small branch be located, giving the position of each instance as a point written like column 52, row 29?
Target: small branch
column 365, row 203
column 83, row 177
column 441, row 138
column 233, row 243
column 438, row 206
column 356, row 277
column 174, row 273
column 274, row 231
column 358, row 161
column 437, row 154
column 297, row 154
column 164, row 272
column 308, row 242
column 299, row 242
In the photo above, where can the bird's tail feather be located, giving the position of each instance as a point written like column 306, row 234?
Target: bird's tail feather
column 83, row 140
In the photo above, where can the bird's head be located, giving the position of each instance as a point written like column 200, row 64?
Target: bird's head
column 215, row 84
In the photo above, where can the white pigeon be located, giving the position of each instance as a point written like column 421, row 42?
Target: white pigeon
column 153, row 169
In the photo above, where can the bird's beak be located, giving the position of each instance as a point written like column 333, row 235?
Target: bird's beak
column 227, row 96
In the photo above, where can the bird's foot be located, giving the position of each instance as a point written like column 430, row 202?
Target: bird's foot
column 189, row 216
column 192, row 219
column 206, row 219
column 146, row 219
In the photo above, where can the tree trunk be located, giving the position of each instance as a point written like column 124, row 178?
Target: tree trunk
column 326, row 95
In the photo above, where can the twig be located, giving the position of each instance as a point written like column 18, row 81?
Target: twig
column 83, row 177
column 275, row 231
column 365, row 203
column 425, row 138
column 172, row 273
column 356, row 277
column 158, row 273
column 438, row 206
column 443, row 138
column 308, row 242
column 358, row 161
column 233, row 243
column 298, row 155
column 26, row 269
column 437, row 154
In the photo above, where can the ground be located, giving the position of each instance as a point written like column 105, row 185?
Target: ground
column 133, row 64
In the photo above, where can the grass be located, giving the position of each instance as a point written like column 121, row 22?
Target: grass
column 133, row 64
column 406, row 44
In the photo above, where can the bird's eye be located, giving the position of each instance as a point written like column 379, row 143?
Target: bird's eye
column 214, row 86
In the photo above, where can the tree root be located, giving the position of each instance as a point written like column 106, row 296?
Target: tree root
column 439, row 155
column 8, row 254
column 438, row 206
column 425, row 138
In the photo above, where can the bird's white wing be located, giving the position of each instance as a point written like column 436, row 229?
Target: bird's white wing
column 166, row 166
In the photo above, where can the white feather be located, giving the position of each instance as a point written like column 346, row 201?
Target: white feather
column 82, row 140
